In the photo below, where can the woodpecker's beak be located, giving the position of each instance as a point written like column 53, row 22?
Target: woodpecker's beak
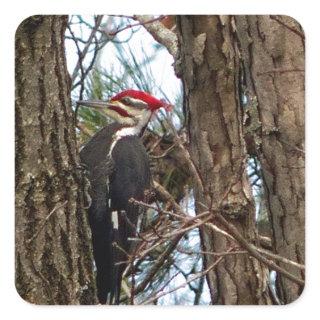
column 96, row 104
column 113, row 109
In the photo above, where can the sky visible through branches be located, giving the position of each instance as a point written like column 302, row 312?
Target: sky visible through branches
column 135, row 47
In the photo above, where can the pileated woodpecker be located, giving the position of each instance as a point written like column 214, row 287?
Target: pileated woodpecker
column 118, row 169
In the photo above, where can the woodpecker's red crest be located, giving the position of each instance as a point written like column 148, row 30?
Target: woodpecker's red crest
column 152, row 102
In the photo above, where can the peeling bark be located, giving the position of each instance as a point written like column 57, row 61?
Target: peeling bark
column 209, row 67
column 53, row 250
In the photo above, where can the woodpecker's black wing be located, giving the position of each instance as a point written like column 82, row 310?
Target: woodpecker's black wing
column 112, row 218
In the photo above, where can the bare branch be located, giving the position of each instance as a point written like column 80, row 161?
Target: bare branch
column 129, row 26
column 164, row 154
column 218, row 254
column 195, row 277
column 185, row 153
column 280, row 258
column 232, row 230
column 158, row 264
column 161, row 34
column 86, row 48
column 254, row 252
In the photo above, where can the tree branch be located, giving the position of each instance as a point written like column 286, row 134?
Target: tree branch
column 129, row 26
column 254, row 252
column 160, row 33
column 195, row 277
column 86, row 48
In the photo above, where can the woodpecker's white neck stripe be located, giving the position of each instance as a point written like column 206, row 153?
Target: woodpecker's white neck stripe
column 130, row 131
column 124, row 132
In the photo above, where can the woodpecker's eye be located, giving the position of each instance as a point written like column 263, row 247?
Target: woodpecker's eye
column 136, row 103
column 126, row 100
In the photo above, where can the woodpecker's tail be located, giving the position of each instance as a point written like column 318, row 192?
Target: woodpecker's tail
column 124, row 228
column 119, row 252
column 109, row 258
column 111, row 247
column 103, row 256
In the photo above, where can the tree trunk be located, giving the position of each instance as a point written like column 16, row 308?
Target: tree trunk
column 53, row 251
column 209, row 68
column 273, row 51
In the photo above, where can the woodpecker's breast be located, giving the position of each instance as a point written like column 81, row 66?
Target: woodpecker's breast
column 131, row 173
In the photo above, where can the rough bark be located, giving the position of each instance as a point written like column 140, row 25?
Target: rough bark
column 273, row 52
column 208, row 66
column 53, row 252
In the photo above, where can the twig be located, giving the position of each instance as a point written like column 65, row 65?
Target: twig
column 233, row 236
column 164, row 154
column 232, row 230
column 166, row 237
column 133, row 280
column 129, row 26
column 195, row 277
column 265, row 242
column 161, row 288
column 161, row 34
column 57, row 207
column 84, row 73
column 80, row 60
column 192, row 167
column 196, row 222
column 156, row 143
column 158, row 264
column 254, row 252
column 217, row 254
column 81, row 56
column 280, row 258
column 86, row 48
column 263, row 251
column 121, row 16
column 220, row 231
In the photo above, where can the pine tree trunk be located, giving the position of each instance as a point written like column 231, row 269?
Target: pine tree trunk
column 209, row 69
column 53, row 250
column 273, row 51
